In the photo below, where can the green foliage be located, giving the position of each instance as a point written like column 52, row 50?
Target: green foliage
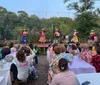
column 80, row 5
column 11, row 24
column 86, row 16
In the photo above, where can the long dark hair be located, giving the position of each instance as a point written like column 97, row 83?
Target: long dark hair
column 31, row 46
column 20, row 56
column 11, row 45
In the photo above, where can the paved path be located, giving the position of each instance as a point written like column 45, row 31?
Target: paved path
column 42, row 68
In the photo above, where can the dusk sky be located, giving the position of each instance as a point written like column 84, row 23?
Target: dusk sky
column 42, row 8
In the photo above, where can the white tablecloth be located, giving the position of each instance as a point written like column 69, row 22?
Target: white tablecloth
column 93, row 78
column 5, row 71
column 2, row 80
column 80, row 66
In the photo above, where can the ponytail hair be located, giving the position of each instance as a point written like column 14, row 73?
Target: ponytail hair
column 63, row 64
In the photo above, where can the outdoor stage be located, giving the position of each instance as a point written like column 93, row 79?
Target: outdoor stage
column 43, row 47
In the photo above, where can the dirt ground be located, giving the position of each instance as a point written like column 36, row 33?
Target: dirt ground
column 42, row 69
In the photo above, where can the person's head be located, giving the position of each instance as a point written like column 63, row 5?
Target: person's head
column 74, row 47
column 49, row 45
column 11, row 45
column 20, row 56
column 98, row 50
column 5, row 44
column 63, row 64
column 31, row 46
column 54, row 45
column 57, row 50
column 63, row 49
column 27, row 51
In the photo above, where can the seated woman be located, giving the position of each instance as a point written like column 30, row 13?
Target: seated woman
column 96, row 60
column 20, row 70
column 86, row 54
column 64, row 77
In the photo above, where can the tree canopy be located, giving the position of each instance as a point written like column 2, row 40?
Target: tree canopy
column 11, row 24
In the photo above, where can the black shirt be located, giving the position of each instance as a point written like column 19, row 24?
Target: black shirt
column 5, row 51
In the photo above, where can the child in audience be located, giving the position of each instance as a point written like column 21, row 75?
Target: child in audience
column 53, row 69
column 64, row 54
column 64, row 77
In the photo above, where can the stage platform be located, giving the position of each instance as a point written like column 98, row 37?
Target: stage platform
column 42, row 45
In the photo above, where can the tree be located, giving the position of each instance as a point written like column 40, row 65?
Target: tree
column 23, row 18
column 86, row 16
column 3, row 16
column 80, row 5
column 34, row 22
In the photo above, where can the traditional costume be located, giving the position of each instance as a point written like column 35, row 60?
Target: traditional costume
column 58, row 35
column 75, row 37
column 42, row 36
column 24, row 35
column 93, row 37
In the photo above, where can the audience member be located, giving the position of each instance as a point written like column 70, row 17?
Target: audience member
column 12, row 47
column 48, row 53
column 96, row 60
column 64, row 54
column 20, row 70
column 64, row 77
column 35, row 51
column 52, row 50
column 86, row 54
column 5, row 51
column 29, row 58
column 53, row 69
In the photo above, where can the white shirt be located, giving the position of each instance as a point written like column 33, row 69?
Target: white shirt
column 13, row 49
column 30, row 57
column 23, row 70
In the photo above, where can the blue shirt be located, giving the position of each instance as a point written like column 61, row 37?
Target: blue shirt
column 66, row 56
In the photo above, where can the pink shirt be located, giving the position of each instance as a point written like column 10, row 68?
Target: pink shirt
column 51, row 52
column 65, row 78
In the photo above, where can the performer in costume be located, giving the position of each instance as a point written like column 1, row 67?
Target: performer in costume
column 24, row 35
column 75, row 37
column 93, row 37
column 58, row 35
column 42, row 36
